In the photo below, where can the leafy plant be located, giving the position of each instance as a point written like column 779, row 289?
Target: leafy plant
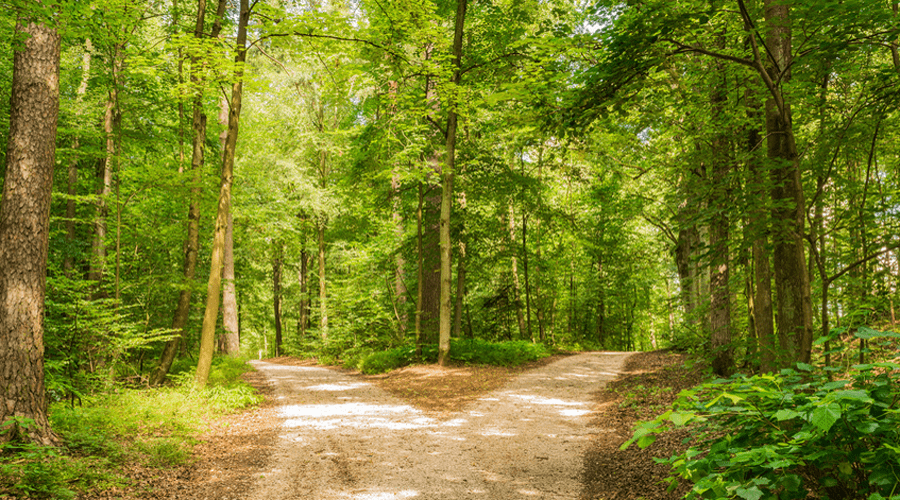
column 782, row 436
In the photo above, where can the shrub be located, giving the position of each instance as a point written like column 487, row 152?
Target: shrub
column 467, row 351
column 788, row 435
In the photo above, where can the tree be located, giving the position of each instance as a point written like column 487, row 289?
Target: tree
column 24, row 229
column 213, row 291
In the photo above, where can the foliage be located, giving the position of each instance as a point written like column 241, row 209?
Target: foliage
column 123, row 426
column 466, row 351
column 782, row 436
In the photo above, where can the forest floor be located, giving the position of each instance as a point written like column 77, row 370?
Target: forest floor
column 549, row 429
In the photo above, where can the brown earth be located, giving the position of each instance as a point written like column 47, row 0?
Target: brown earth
column 236, row 450
column 650, row 383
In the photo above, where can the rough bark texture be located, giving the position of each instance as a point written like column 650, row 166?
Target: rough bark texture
column 763, row 321
column 794, row 305
column 719, row 265
column 207, row 334
column 24, row 230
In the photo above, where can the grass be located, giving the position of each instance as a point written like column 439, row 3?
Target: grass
column 123, row 427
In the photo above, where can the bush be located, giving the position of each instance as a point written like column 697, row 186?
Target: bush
column 466, row 351
column 788, row 435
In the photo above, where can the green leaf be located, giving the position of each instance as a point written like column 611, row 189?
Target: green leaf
column 837, row 384
column 804, row 367
column 752, row 493
column 782, row 415
column 825, row 416
column 681, row 418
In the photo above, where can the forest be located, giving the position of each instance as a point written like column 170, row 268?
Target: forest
column 378, row 182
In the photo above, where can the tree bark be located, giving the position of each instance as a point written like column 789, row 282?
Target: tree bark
column 25, row 229
column 207, row 334
column 323, row 292
column 192, row 237
column 460, row 289
column 277, row 258
column 230, row 321
column 792, row 287
column 447, row 174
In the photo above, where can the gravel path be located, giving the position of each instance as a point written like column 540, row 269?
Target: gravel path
column 343, row 438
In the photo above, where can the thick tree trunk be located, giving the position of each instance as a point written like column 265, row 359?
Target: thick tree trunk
column 719, row 259
column 25, row 230
column 207, row 334
column 792, row 287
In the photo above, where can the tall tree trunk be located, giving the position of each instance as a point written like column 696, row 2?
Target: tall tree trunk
column 207, row 334
column 792, row 287
column 447, row 174
column 192, row 237
column 420, row 266
column 763, row 320
column 399, row 262
column 277, row 258
column 230, row 323
column 25, row 230
column 720, row 306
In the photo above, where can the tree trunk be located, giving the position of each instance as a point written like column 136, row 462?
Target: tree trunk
column 323, row 297
column 399, row 262
column 420, row 266
column 230, row 323
column 447, row 174
column 192, row 237
column 794, row 306
column 719, row 261
column 527, row 281
column 520, row 316
column 303, row 277
column 277, row 258
column 460, row 289
column 25, row 230
column 207, row 334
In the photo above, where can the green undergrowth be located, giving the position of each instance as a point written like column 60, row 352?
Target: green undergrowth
column 805, row 432
column 123, row 427
column 465, row 351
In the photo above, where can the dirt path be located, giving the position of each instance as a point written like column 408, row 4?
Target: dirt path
column 344, row 438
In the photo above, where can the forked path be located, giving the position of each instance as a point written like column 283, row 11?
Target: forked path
column 343, row 438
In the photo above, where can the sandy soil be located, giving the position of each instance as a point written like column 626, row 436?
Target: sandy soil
column 342, row 437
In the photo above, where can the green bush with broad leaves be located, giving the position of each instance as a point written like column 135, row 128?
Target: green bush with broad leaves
column 792, row 434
